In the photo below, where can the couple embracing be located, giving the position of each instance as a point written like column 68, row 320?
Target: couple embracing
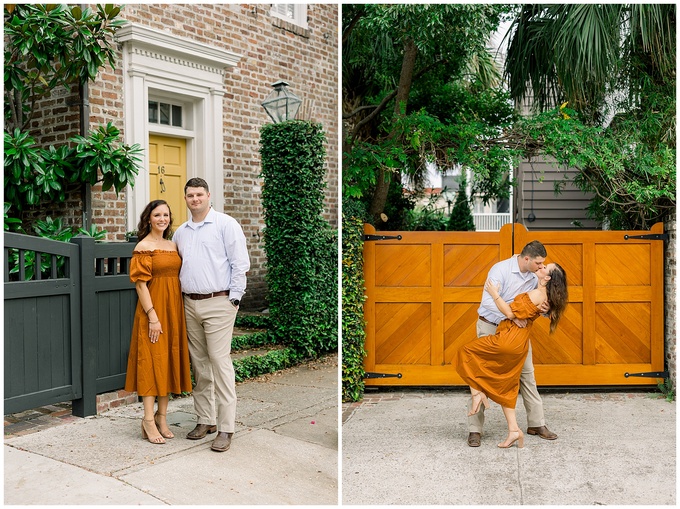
column 187, row 287
column 498, row 364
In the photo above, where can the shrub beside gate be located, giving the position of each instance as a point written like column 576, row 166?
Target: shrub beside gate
column 353, row 333
column 301, row 248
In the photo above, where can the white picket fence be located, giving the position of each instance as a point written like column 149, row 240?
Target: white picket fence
column 490, row 222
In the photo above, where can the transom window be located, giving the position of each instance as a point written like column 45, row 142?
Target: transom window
column 163, row 113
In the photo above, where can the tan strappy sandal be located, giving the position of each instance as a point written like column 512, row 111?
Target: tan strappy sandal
column 167, row 434
column 153, row 439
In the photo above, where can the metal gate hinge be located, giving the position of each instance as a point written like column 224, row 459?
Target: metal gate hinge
column 649, row 236
column 382, row 375
column 649, row 374
column 381, row 237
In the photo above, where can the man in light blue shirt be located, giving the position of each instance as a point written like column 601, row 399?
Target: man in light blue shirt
column 213, row 277
column 515, row 275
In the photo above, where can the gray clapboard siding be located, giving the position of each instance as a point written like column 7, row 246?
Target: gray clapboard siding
column 552, row 212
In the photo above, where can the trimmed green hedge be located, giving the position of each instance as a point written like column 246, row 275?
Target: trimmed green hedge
column 301, row 248
column 274, row 360
column 252, row 340
column 353, row 334
column 252, row 321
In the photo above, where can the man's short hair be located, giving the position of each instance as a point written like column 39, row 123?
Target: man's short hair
column 534, row 249
column 196, row 182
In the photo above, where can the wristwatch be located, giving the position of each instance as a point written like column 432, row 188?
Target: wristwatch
column 235, row 302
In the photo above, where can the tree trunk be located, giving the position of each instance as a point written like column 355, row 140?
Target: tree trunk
column 405, row 80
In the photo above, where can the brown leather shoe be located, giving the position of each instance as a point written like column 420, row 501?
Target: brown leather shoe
column 542, row 432
column 474, row 439
column 222, row 442
column 200, row 431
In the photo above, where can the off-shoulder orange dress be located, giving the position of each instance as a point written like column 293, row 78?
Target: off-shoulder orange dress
column 161, row 368
column 493, row 364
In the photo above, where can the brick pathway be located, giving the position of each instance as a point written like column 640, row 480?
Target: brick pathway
column 31, row 421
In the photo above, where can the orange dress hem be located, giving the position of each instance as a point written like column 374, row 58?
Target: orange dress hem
column 161, row 368
column 493, row 364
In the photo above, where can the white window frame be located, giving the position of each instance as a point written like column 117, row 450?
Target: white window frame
column 299, row 13
column 159, row 65
column 171, row 101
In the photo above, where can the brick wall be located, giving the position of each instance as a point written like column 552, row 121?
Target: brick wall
column 109, row 211
column 670, row 297
column 271, row 49
column 56, row 118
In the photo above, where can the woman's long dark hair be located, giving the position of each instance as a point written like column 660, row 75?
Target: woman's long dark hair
column 144, row 226
column 558, row 296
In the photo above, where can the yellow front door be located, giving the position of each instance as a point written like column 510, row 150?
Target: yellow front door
column 168, row 174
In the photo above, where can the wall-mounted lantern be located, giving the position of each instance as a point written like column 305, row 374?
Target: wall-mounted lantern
column 281, row 104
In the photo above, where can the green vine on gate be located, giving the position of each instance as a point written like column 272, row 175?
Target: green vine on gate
column 353, row 333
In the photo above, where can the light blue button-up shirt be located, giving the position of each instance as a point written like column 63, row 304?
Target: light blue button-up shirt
column 512, row 281
column 214, row 255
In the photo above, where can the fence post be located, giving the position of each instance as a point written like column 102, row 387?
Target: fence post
column 87, row 404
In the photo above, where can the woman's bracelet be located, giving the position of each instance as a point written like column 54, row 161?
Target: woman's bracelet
column 154, row 323
column 149, row 310
column 497, row 297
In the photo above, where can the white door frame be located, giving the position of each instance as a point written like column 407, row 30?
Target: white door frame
column 158, row 63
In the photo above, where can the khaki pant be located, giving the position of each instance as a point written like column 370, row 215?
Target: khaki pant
column 210, row 325
column 527, row 388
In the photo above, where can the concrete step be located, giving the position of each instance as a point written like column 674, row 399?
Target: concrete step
column 239, row 331
column 255, row 352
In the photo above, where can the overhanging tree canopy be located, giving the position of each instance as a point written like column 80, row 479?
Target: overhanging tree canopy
column 391, row 54
column 407, row 99
column 50, row 46
column 614, row 66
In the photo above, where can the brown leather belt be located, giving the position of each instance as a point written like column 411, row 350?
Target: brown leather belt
column 201, row 296
column 488, row 321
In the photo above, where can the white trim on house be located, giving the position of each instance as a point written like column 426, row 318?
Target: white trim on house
column 293, row 13
column 160, row 65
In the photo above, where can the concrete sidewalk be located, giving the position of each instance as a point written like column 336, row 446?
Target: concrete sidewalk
column 284, row 451
column 408, row 447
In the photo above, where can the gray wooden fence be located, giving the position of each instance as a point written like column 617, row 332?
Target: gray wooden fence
column 69, row 309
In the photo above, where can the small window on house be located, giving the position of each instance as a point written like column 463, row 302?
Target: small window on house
column 165, row 113
column 294, row 13
column 176, row 115
column 153, row 112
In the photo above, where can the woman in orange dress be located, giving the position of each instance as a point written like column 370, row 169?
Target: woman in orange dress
column 158, row 362
column 492, row 365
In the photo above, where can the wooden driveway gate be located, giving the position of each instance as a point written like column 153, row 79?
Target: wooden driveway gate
column 423, row 290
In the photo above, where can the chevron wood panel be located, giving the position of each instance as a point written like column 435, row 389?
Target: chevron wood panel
column 623, row 333
column 466, row 265
column 460, row 327
column 422, row 300
column 402, row 333
column 622, row 265
column 402, row 265
column 565, row 345
column 570, row 258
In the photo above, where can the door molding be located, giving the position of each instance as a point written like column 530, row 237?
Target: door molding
column 158, row 63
